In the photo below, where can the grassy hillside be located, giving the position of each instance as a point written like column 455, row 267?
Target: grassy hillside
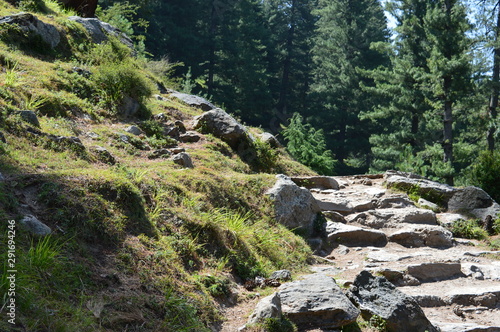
column 138, row 243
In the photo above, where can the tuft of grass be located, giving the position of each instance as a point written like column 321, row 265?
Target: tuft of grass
column 469, row 229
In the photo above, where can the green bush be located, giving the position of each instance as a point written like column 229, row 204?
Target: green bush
column 116, row 81
column 469, row 229
column 485, row 173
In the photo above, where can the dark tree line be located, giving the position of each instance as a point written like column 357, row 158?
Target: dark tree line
column 424, row 100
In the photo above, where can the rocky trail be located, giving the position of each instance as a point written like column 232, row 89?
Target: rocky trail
column 391, row 257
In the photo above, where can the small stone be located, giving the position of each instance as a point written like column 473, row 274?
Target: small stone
column 35, row 226
column 30, row 117
column 183, row 159
column 104, row 155
column 177, row 150
column 134, row 130
column 182, row 128
column 282, row 275
column 159, row 153
column 92, row 135
column 189, row 137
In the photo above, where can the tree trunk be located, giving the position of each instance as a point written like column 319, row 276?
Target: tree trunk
column 495, row 80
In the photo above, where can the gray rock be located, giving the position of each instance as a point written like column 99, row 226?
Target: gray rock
column 92, row 135
column 466, row 327
column 177, row 150
column 423, row 186
column 377, row 296
column 268, row 307
column 423, row 235
column 160, row 153
column 394, row 201
column 435, row 271
column 448, row 219
column 183, row 159
column 294, row 206
column 35, row 226
column 271, row 140
column 354, row 236
column 30, row 117
column 475, row 201
column 334, row 216
column 129, row 106
column 282, row 275
column 103, row 155
column 222, row 125
column 134, row 130
column 189, row 136
column 194, row 101
column 316, row 302
column 427, row 204
column 329, row 202
column 487, row 272
column 182, row 128
column 393, row 218
column 99, row 30
column 320, row 182
column 30, row 23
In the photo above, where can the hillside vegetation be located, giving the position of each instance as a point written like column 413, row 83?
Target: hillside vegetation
column 139, row 243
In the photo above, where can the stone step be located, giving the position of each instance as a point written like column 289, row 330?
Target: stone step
column 465, row 292
column 393, row 217
column 413, row 236
column 465, row 327
column 348, row 235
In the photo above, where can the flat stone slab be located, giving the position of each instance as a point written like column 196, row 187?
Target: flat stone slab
column 332, row 202
column 354, row 236
column 393, row 217
column 316, row 302
column 466, row 327
column 384, row 256
column 481, row 271
column 423, row 235
column 435, row 271
column 319, row 182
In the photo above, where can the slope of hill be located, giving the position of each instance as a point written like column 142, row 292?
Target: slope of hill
column 138, row 242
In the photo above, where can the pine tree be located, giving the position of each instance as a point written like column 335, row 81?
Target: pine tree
column 345, row 31
column 449, row 67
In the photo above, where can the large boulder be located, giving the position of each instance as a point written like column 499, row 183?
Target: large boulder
column 475, row 201
column 377, row 296
column 422, row 235
column 220, row 124
column 99, row 30
column 294, row 206
column 354, row 236
column 435, row 271
column 316, row 302
column 194, row 101
column 31, row 24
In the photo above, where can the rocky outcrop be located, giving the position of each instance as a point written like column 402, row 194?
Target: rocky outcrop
column 220, row 124
column 31, row 24
column 475, row 201
column 316, row 302
column 420, row 185
column 377, row 296
column 194, row 101
column 99, row 30
column 294, row 206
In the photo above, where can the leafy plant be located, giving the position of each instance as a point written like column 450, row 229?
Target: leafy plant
column 308, row 145
column 469, row 229
column 42, row 254
column 11, row 78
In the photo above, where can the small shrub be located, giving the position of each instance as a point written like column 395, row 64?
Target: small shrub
column 469, row 229
column 33, row 5
column 308, row 146
column 485, row 173
column 279, row 325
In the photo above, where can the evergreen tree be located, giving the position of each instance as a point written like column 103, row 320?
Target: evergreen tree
column 398, row 120
column 345, row 31
column 449, row 68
